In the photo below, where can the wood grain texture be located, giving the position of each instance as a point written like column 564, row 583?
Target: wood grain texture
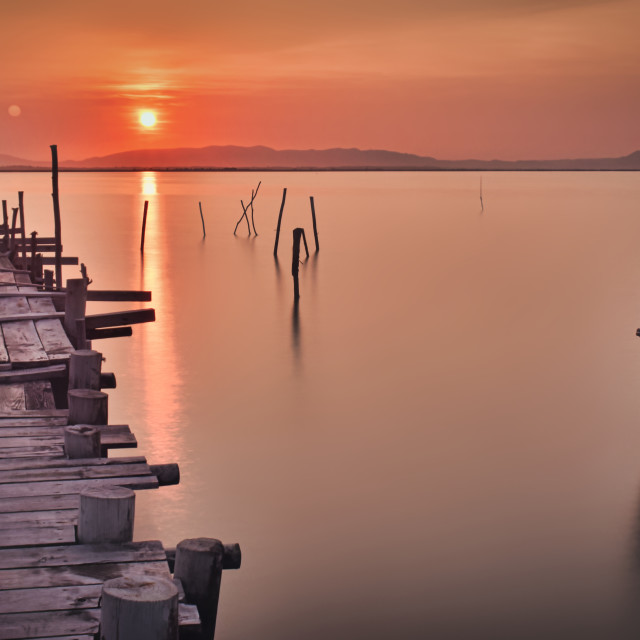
column 22, row 342
column 37, row 536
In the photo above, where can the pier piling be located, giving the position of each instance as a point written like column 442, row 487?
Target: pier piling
column 315, row 228
column 106, row 515
column 81, row 441
column 284, row 197
column 144, row 225
column 88, row 406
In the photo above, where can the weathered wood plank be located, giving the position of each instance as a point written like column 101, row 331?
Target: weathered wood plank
column 119, row 318
column 57, row 463
column 119, row 438
column 36, row 625
column 12, row 306
column 33, row 422
column 68, row 260
column 39, row 503
column 51, row 598
column 30, row 294
column 71, row 555
column 31, row 316
column 33, row 431
column 188, row 615
column 62, row 487
column 30, row 452
column 22, row 342
column 37, row 536
column 4, row 355
column 74, row 473
column 22, row 519
column 54, row 339
column 38, row 395
column 85, row 574
column 97, row 295
column 34, row 413
column 12, row 397
column 38, row 373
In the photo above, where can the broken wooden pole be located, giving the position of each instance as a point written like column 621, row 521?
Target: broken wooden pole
column 167, row 474
column 81, row 441
column 88, row 406
column 204, row 231
column 75, row 305
column 119, row 318
column 198, row 564
column 139, row 607
column 106, row 515
column 284, row 196
column 56, row 214
column 48, row 280
column 22, row 227
column 304, row 239
column 144, row 225
column 244, row 215
column 253, row 197
column 113, row 332
column 114, row 295
column 5, row 224
column 315, row 228
column 84, row 369
column 107, row 380
column 295, row 262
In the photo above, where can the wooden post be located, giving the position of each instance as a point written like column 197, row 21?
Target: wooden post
column 56, row 214
column 295, row 262
column 5, row 223
column 199, row 564
column 88, row 406
column 84, row 369
column 204, row 231
column 315, row 228
column 144, row 225
column 81, row 334
column 139, row 608
column 34, row 250
column 22, row 227
column 75, row 305
column 14, row 220
column 106, row 514
column 304, row 239
column 284, row 196
column 48, row 280
column 81, row 441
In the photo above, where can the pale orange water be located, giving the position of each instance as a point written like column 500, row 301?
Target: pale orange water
column 444, row 441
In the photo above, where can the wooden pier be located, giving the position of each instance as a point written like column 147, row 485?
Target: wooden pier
column 66, row 522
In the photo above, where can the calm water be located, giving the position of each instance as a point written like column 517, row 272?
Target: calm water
column 443, row 442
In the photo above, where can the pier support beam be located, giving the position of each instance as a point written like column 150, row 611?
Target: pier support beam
column 88, row 406
column 75, row 306
column 106, row 515
column 84, row 369
column 139, row 608
column 81, row 441
column 199, row 563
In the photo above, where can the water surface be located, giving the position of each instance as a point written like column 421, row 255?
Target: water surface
column 442, row 440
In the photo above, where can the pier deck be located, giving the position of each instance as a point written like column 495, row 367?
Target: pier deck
column 50, row 585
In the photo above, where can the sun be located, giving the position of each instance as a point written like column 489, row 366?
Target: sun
column 147, row 118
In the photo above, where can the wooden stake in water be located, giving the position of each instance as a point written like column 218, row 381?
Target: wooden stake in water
column 315, row 228
column 204, row 232
column 253, row 197
column 481, row 202
column 295, row 262
column 144, row 225
column 284, row 196
column 22, row 228
column 56, row 214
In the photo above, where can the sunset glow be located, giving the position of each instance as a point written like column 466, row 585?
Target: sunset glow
column 147, row 119
column 509, row 79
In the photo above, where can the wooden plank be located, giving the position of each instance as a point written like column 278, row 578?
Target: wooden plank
column 63, row 487
column 4, row 355
column 40, row 625
column 85, row 574
column 51, row 598
column 12, row 397
column 188, row 616
column 39, row 503
column 114, row 332
column 37, row 373
column 54, row 339
column 39, row 395
column 13, row 306
column 22, row 342
column 39, row 239
column 58, row 463
column 74, row 473
column 57, row 430
column 119, row 318
column 37, row 536
column 29, row 452
column 68, row 260
column 33, row 422
column 72, row 555
column 35, row 413
column 22, row 519
column 30, row 316
column 105, row 295
column 31, row 294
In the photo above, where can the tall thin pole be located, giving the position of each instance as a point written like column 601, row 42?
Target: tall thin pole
column 56, row 214
column 22, row 227
column 295, row 262
column 5, row 224
column 144, row 225
column 315, row 228
column 284, row 196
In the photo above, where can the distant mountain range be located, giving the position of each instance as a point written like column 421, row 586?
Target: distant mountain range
column 265, row 158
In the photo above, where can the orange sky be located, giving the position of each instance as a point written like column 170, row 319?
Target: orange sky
column 446, row 78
